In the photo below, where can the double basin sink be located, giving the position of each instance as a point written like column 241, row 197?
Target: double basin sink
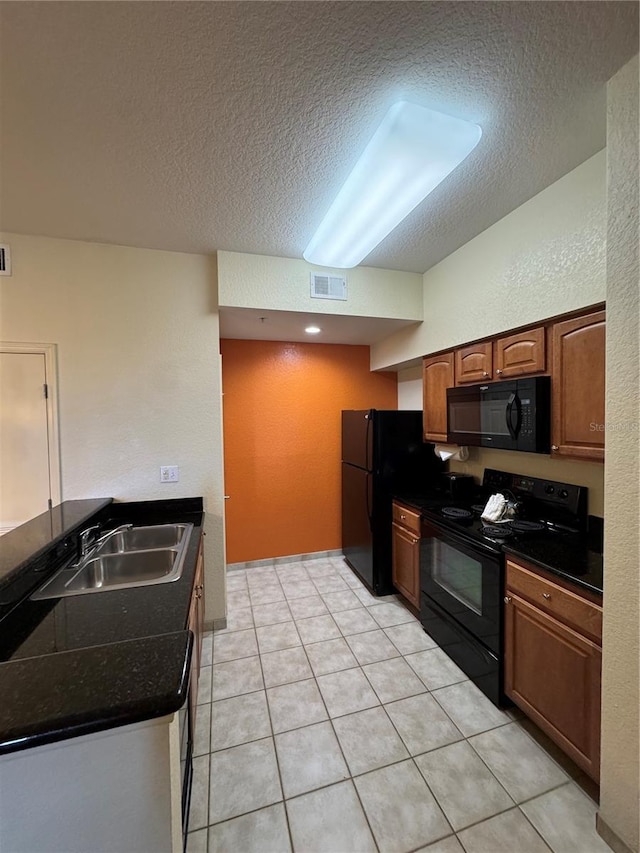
column 135, row 556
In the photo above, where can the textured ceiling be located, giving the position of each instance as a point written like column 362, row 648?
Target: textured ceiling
column 203, row 126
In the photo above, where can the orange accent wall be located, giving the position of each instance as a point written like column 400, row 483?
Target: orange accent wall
column 282, row 443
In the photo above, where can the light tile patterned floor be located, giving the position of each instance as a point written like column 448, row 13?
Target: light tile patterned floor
column 329, row 722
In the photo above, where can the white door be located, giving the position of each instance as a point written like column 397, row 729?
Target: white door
column 25, row 487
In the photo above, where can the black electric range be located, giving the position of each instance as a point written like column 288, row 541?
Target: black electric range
column 462, row 560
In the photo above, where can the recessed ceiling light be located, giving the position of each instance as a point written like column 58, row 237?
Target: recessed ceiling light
column 411, row 152
column 313, row 330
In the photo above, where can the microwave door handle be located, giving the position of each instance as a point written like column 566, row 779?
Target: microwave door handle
column 513, row 402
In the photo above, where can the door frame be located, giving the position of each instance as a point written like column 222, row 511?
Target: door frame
column 50, row 353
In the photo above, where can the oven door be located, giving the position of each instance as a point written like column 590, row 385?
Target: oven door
column 464, row 581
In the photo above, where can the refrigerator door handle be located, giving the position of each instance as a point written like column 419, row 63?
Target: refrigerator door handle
column 367, row 464
column 367, row 485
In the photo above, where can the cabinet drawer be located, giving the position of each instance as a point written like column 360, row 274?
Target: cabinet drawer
column 569, row 607
column 407, row 518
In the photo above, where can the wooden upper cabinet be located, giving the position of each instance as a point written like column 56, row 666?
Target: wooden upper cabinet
column 437, row 376
column 578, row 378
column 520, row 354
column 474, row 363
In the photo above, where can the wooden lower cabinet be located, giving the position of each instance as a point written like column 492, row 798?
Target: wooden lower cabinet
column 405, row 565
column 553, row 672
column 196, row 625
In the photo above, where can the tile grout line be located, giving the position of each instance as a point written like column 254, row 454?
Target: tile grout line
column 528, row 799
column 275, row 752
column 344, row 758
column 360, row 666
column 532, row 824
column 302, row 645
column 329, row 719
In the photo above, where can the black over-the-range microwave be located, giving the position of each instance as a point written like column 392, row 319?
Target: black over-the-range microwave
column 510, row 415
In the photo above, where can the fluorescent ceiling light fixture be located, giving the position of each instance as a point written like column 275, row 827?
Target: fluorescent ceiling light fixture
column 412, row 151
column 313, row 330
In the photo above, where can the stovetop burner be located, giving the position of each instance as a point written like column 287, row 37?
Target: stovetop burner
column 545, row 510
column 522, row 526
column 455, row 512
column 495, row 531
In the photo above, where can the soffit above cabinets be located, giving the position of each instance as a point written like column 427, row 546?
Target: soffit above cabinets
column 260, row 325
column 213, row 125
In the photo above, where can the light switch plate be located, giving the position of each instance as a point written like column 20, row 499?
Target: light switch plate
column 169, row 474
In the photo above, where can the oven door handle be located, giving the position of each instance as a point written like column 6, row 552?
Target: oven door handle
column 431, row 529
column 513, row 402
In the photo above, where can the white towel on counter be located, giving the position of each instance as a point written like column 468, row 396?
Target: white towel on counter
column 495, row 508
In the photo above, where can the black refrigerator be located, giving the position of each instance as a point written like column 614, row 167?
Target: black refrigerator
column 383, row 455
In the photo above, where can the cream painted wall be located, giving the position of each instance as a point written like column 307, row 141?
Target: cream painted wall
column 589, row 474
column 410, row 388
column 283, row 284
column 138, row 371
column 545, row 258
column 620, row 792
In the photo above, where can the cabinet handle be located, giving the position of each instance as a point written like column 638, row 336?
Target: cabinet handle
column 199, row 593
column 555, row 447
column 507, row 599
column 546, row 595
column 403, row 517
column 499, row 372
column 484, row 373
column 414, row 541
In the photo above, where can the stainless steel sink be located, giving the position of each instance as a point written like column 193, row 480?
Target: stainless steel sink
column 139, row 556
column 144, row 538
column 124, row 569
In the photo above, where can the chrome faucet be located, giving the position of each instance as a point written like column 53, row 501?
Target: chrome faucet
column 87, row 544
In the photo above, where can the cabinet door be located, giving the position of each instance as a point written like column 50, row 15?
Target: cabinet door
column 195, row 625
column 553, row 674
column 577, row 387
column 198, row 589
column 405, row 565
column 194, row 672
column 521, row 354
column 437, row 376
column 474, row 363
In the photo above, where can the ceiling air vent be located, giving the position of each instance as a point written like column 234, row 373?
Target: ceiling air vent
column 5, row 259
column 325, row 286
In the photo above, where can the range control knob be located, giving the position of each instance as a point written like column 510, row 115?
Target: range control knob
column 549, row 490
column 563, row 493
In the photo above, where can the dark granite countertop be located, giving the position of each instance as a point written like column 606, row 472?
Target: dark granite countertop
column 56, row 697
column 28, row 542
column 569, row 556
column 103, row 650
